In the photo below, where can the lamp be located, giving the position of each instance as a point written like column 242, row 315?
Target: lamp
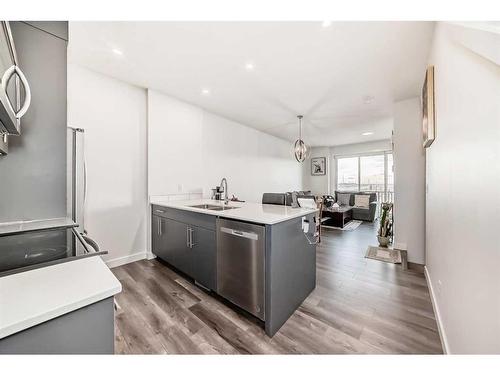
column 300, row 149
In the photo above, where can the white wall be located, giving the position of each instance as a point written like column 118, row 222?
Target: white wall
column 174, row 145
column 190, row 148
column 113, row 115
column 409, row 180
column 463, row 198
column 319, row 185
column 361, row 148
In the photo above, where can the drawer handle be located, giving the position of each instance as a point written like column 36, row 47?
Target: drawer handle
column 161, row 211
column 239, row 233
column 159, row 227
column 189, row 237
column 191, row 242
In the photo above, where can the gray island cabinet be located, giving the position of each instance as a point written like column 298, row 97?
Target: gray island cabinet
column 190, row 240
column 64, row 308
column 186, row 240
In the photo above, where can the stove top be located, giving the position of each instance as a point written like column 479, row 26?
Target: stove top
column 28, row 250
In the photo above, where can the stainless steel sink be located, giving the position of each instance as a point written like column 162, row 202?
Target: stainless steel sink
column 212, row 207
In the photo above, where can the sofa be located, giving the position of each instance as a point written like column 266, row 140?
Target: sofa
column 283, row 198
column 358, row 213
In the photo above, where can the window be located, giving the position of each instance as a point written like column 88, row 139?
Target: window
column 372, row 173
column 347, row 174
column 390, row 173
column 372, row 176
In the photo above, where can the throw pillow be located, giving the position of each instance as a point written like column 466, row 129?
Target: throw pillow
column 361, row 201
column 343, row 199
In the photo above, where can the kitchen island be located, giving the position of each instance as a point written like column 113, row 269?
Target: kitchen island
column 260, row 257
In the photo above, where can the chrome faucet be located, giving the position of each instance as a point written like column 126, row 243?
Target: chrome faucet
column 224, row 181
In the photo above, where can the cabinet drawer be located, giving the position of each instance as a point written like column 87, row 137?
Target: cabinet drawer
column 206, row 221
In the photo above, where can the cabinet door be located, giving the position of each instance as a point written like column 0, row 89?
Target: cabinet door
column 175, row 240
column 156, row 243
column 204, row 257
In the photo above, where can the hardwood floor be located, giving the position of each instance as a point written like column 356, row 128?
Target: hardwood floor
column 358, row 306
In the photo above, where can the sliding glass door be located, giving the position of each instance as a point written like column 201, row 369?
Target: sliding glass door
column 372, row 176
column 347, row 174
column 367, row 173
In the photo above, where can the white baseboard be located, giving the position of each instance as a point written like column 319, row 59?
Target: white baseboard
column 116, row 262
column 442, row 334
column 150, row 256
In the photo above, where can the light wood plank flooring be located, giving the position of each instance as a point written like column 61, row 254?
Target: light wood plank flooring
column 358, row 306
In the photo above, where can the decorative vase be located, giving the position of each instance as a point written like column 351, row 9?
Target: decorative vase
column 383, row 241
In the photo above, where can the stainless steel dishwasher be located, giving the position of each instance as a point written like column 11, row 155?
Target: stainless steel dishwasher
column 241, row 264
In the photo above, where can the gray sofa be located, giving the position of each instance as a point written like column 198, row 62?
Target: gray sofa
column 283, row 198
column 358, row 213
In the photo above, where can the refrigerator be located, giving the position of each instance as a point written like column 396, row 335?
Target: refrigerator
column 77, row 182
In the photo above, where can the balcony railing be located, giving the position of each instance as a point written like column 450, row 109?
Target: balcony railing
column 385, row 196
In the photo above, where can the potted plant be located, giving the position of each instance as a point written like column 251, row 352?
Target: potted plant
column 385, row 230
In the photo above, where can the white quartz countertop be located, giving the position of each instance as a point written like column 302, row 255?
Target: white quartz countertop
column 252, row 212
column 33, row 297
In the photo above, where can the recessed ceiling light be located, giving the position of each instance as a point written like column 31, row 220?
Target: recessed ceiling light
column 367, row 99
column 249, row 66
column 326, row 23
column 118, row 52
column 205, row 92
column 367, row 133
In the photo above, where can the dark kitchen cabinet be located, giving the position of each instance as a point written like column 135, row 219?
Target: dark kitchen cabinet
column 189, row 248
column 170, row 242
column 176, row 243
column 156, row 237
column 204, row 256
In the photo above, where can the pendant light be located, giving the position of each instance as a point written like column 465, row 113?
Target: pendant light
column 300, row 149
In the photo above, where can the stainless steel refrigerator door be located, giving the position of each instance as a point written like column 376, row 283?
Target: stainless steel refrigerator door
column 241, row 264
column 76, row 177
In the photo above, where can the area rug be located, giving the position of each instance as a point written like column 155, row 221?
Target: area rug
column 383, row 254
column 353, row 224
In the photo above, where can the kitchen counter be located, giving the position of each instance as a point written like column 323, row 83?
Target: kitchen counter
column 263, row 259
column 246, row 211
column 33, row 297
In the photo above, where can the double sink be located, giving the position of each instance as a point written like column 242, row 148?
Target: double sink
column 213, row 207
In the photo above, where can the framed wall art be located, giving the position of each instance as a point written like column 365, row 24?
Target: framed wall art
column 318, row 166
column 428, row 109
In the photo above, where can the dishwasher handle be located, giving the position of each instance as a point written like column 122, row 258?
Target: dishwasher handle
column 239, row 233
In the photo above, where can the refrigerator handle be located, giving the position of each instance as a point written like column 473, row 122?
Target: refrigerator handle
column 84, row 181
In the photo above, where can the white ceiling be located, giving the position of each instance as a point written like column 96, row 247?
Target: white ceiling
column 324, row 73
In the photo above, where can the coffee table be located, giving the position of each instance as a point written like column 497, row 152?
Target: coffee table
column 337, row 217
